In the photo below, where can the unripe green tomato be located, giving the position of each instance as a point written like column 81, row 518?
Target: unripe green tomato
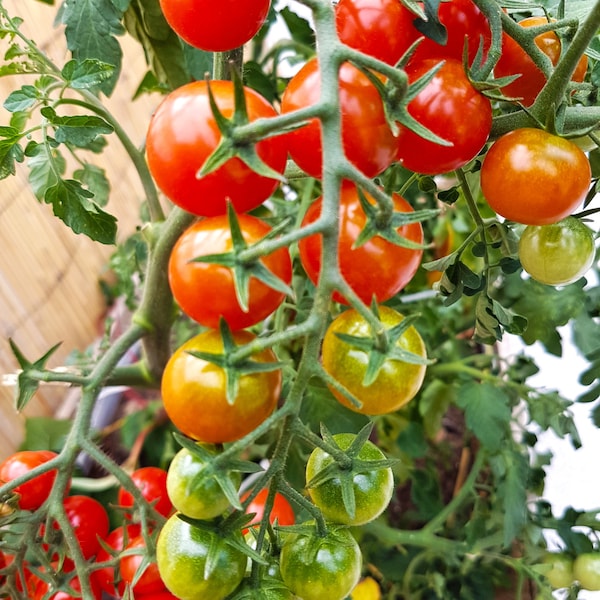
column 560, row 574
column 586, row 570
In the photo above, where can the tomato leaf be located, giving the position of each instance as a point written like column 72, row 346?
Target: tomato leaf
column 22, row 99
column 87, row 74
column 11, row 151
column 80, row 130
column 46, row 167
column 94, row 178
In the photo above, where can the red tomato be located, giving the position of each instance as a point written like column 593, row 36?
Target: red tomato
column 89, row 520
column 215, row 26
column 206, row 292
column 149, row 582
column 34, row 492
column 42, row 590
column 376, row 268
column 152, row 482
column 183, row 134
column 367, row 139
column 282, row 510
column 165, row 595
column 453, row 109
column 514, row 60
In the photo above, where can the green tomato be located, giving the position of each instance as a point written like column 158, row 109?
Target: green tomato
column 372, row 488
column 182, row 556
column 560, row 573
column 557, row 254
column 191, row 491
column 318, row 567
column 586, row 570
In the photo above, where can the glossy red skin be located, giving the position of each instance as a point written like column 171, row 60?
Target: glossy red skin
column 533, row 177
column 282, row 510
column 149, row 582
column 152, row 482
column 206, row 292
column 157, row 596
column 89, row 520
column 514, row 60
column 183, row 134
column 378, row 267
column 34, row 492
column 215, row 26
column 366, row 25
column 367, row 139
column 453, row 109
column 42, row 588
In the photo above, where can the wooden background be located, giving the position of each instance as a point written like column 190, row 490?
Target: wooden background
column 49, row 289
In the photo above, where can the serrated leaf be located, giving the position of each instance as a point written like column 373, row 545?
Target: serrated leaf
column 79, row 130
column 22, row 99
column 11, row 151
column 89, row 73
column 46, row 166
column 94, row 178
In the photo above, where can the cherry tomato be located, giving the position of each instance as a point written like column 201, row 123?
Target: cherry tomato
column 397, row 381
column 282, row 510
column 586, row 570
column 376, row 268
column 165, row 595
column 194, row 391
column 533, row 177
column 560, row 573
column 34, row 492
column 215, row 27
column 182, row 553
column 149, row 581
column 195, row 495
column 183, row 134
column 366, row 25
column 367, row 589
column 557, row 254
column 315, row 567
column 89, row 520
column 367, row 139
column 42, row 590
column 152, row 482
column 450, row 107
column 206, row 291
column 515, row 61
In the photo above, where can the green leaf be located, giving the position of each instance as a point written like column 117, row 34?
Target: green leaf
column 45, row 433
column 88, row 74
column 22, row 99
column 94, row 178
column 299, row 28
column 46, row 167
column 11, row 151
column 79, row 130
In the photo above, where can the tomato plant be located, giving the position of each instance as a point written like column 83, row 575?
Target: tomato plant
column 89, row 520
column 534, row 177
column 281, row 511
column 152, row 483
column 136, row 573
column 586, row 570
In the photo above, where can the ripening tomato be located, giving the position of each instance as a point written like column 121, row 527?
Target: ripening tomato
column 450, row 107
column 533, row 177
column 282, row 510
column 152, row 483
column 586, row 570
column 367, row 589
column 376, row 268
column 147, row 578
column 206, row 291
column 397, row 381
column 515, row 61
column 89, row 520
column 183, row 134
column 215, row 27
column 560, row 573
column 557, row 254
column 194, row 391
column 367, row 139
column 33, row 493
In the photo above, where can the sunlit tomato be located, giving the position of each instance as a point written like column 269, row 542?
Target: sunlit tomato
column 282, row 510
column 34, row 492
column 376, row 268
column 515, row 61
column 367, row 139
column 397, row 381
column 194, row 391
column 89, row 520
column 367, row 589
column 557, row 254
column 215, row 27
column 183, row 134
column 193, row 490
column 366, row 25
column 533, row 177
column 315, row 567
column 560, row 573
column 198, row 563
column 152, row 483
column 372, row 488
column 206, row 291
column 133, row 568
column 454, row 110
column 586, row 570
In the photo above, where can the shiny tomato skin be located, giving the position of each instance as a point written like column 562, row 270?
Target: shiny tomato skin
column 215, row 27
column 397, row 382
column 367, row 26
column 149, row 581
column 586, row 570
column 183, row 133
column 557, row 254
column 282, row 510
column 152, row 483
column 376, row 268
column 367, row 139
column 194, row 391
column 533, row 177
column 34, row 492
column 206, row 292
column 515, row 61
column 453, row 109
column 42, row 590
column 164, row 595
column 89, row 520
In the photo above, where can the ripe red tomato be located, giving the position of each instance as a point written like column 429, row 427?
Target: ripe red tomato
column 365, row 25
column 149, row 581
column 89, row 520
column 453, row 109
column 367, row 139
column 376, row 268
column 194, row 391
column 282, row 510
column 152, row 482
column 514, row 60
column 206, row 292
column 215, row 27
column 42, row 590
column 34, row 492
column 183, row 134
column 534, row 177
